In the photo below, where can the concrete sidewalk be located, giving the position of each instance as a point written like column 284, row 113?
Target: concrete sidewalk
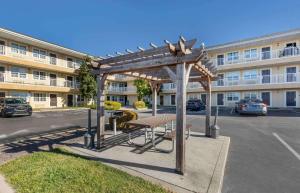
column 5, row 187
column 205, row 162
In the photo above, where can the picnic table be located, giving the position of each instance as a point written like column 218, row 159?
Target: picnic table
column 152, row 123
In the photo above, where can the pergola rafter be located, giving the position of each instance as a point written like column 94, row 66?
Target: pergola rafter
column 178, row 63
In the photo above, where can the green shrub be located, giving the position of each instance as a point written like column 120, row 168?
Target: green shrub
column 112, row 105
column 108, row 105
column 127, row 116
column 92, row 106
column 139, row 105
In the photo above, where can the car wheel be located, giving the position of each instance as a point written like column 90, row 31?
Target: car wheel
column 29, row 114
column 3, row 114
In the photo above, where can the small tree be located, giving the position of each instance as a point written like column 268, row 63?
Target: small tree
column 88, row 85
column 142, row 88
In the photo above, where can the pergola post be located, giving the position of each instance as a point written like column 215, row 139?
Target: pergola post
column 100, row 110
column 208, row 109
column 180, row 117
column 154, row 87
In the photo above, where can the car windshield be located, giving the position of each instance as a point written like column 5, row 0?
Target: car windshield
column 15, row 101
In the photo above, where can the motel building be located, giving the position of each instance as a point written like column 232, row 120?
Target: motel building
column 46, row 75
column 42, row 73
column 266, row 67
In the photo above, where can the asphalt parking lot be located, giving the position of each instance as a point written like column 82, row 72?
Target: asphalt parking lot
column 264, row 152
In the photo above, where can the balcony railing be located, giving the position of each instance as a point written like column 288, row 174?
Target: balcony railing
column 117, row 89
column 2, row 77
column 259, row 56
column 53, row 60
column 53, row 82
column 2, row 49
column 254, row 80
column 262, row 79
column 69, row 83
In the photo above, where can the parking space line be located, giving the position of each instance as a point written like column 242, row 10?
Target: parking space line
column 287, row 146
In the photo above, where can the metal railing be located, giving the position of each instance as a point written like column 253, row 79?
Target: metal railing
column 117, row 89
column 53, row 60
column 287, row 78
column 53, row 82
column 2, row 49
column 69, row 83
column 259, row 56
column 260, row 79
column 31, row 82
column 2, row 77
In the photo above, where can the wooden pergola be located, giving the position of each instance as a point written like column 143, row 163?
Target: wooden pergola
column 174, row 62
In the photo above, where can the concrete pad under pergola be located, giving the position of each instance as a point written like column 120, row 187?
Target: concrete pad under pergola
column 178, row 63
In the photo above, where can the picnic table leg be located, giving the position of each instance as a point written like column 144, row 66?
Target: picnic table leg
column 146, row 135
column 153, row 138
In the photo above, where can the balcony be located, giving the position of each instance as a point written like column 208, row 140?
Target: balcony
column 287, row 52
column 121, row 90
column 2, row 49
column 287, row 80
column 34, row 85
column 257, row 80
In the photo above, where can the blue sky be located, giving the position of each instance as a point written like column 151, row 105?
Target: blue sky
column 104, row 27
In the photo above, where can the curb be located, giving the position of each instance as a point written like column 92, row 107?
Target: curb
column 218, row 175
column 5, row 187
column 58, row 110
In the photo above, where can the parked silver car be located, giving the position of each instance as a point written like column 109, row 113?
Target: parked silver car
column 251, row 106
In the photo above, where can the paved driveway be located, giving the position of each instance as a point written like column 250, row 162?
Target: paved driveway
column 264, row 152
column 42, row 122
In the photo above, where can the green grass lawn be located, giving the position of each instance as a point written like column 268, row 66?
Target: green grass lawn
column 63, row 172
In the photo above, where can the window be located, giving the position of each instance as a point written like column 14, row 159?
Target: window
column 220, row 81
column 38, row 75
column 70, row 63
column 37, row 53
column 17, row 72
column 39, row 97
column 220, row 59
column 250, row 54
column 266, row 76
column 250, row 95
column 53, row 59
column 80, row 98
column 233, row 78
column 173, row 97
column 78, row 63
column 265, row 53
column 290, row 99
column 2, row 94
column 19, row 49
column 290, row 49
column 233, row 96
column 291, row 75
column 232, row 56
column 2, row 47
column 250, row 74
column 22, row 95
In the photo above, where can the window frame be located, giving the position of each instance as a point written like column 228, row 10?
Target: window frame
column 39, row 97
column 16, row 48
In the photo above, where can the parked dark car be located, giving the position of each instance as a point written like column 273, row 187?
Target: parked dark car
column 251, row 106
column 195, row 105
column 14, row 106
